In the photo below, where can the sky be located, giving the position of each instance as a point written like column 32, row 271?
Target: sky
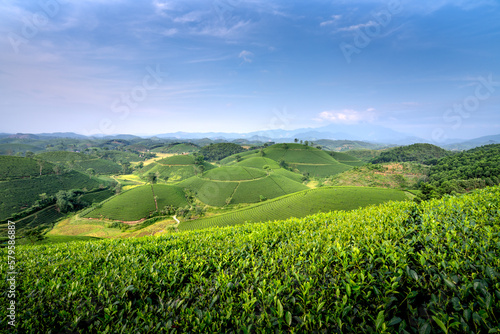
column 426, row 68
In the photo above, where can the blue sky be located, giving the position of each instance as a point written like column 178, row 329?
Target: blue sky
column 427, row 68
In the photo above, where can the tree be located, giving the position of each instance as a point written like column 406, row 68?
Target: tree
column 306, row 143
column 152, row 178
column 238, row 157
column 285, row 146
column 40, row 163
column 91, row 172
column 35, row 234
column 296, row 140
column 125, row 167
column 29, row 154
column 261, row 152
column 57, row 169
column 66, row 200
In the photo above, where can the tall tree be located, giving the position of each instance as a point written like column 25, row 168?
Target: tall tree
column 152, row 178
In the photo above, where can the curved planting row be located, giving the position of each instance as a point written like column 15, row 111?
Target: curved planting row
column 301, row 204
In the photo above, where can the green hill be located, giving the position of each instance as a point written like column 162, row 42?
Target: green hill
column 175, row 168
column 17, row 195
column 423, row 153
column 13, row 148
column 82, row 162
column 303, row 159
column 215, row 152
column 237, row 184
column 300, row 204
column 17, row 168
column 258, row 162
column 462, row 172
column 177, row 148
column 402, row 175
column 347, row 159
column 138, row 203
column 395, row 268
column 63, row 156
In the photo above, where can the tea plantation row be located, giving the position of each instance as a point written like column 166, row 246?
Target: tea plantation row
column 399, row 267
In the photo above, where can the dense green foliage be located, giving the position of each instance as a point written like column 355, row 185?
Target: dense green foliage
column 465, row 171
column 45, row 218
column 398, row 267
column 138, row 203
column 423, row 153
column 219, row 151
column 300, row 204
column 16, row 195
column 17, row 167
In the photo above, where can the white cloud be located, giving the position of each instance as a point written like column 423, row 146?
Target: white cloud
column 348, row 116
column 246, row 55
column 334, row 19
column 189, row 17
column 358, row 26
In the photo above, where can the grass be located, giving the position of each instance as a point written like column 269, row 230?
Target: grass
column 300, row 204
column 78, row 227
column 138, row 203
column 390, row 175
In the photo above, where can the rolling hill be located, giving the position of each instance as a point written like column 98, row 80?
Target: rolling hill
column 301, row 158
column 422, row 153
column 175, row 168
column 138, row 203
column 300, row 204
column 232, row 185
column 81, row 162
column 18, row 168
column 19, row 194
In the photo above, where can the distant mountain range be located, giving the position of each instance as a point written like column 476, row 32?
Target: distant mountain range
column 374, row 134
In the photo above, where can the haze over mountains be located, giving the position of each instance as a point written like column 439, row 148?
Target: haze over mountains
column 356, row 132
